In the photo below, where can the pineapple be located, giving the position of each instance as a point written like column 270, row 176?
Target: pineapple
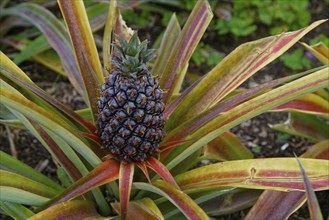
column 130, row 109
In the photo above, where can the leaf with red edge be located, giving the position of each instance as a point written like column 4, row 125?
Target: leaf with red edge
column 177, row 197
column 125, row 181
column 168, row 145
column 181, row 131
column 313, row 204
column 67, row 164
column 144, row 209
column 56, row 35
column 185, row 44
column 93, row 137
column 161, row 170
column 9, row 69
column 231, row 202
column 226, row 147
column 222, row 121
column 310, row 103
column 104, row 173
column 143, row 168
column 76, row 19
column 275, row 205
column 77, row 209
column 271, row 173
column 231, row 72
column 167, row 45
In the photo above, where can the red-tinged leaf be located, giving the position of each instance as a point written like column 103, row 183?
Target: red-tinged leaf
column 93, row 137
column 161, row 170
column 75, row 16
column 310, row 103
column 190, row 126
column 104, row 173
column 181, row 131
column 231, row 72
column 248, row 109
column 271, row 173
column 27, row 83
column 143, row 168
column 125, row 181
column 168, row 145
column 320, row 51
column 231, row 202
column 57, row 151
column 320, row 151
column 144, row 209
column 275, row 205
column 167, row 45
column 226, row 147
column 56, row 35
column 313, row 204
column 181, row 200
column 306, row 126
column 77, row 209
column 183, row 48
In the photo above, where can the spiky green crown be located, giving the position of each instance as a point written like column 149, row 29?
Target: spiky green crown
column 132, row 57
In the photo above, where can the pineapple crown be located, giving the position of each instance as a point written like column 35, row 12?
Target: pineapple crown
column 132, row 56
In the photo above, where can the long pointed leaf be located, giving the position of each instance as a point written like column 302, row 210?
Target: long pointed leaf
column 185, row 45
column 271, row 173
column 75, row 16
column 16, row 211
column 231, row 72
column 56, row 36
column 104, row 173
column 182, row 201
column 249, row 109
column 274, row 205
column 10, row 164
column 125, row 181
column 78, row 209
column 313, row 204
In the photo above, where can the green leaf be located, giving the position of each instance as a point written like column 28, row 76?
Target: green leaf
column 77, row 209
column 304, row 125
column 13, row 165
column 181, row 200
column 16, row 211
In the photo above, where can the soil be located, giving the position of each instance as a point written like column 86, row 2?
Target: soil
column 254, row 133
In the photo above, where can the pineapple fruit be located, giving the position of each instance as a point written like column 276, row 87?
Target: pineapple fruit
column 130, row 109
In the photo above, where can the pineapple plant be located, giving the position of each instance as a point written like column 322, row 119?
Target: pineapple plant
column 130, row 121
column 95, row 185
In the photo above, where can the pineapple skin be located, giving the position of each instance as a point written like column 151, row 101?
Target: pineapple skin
column 130, row 109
